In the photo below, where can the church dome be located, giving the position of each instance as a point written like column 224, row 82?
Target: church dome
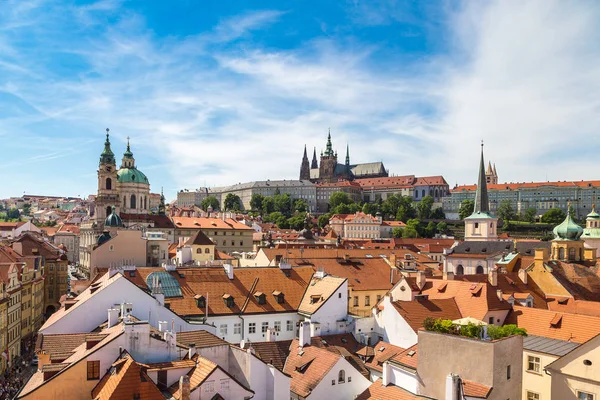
column 593, row 216
column 131, row 175
column 113, row 220
column 568, row 230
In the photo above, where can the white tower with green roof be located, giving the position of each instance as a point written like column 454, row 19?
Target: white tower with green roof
column 481, row 225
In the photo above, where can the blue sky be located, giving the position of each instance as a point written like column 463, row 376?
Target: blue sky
column 220, row 92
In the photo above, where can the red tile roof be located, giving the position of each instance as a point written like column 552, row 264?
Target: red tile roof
column 477, row 390
column 126, row 379
column 391, row 392
column 209, row 223
column 382, row 352
column 414, row 312
column 529, row 185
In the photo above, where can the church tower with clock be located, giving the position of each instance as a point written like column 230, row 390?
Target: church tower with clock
column 108, row 196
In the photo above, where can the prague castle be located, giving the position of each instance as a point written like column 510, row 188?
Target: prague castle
column 329, row 170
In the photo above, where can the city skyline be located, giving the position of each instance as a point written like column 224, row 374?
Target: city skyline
column 219, row 94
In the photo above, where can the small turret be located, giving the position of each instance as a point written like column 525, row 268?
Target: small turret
column 107, row 157
column 305, row 167
column 315, row 163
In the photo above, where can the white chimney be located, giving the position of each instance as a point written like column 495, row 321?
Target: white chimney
column 192, row 350
column 453, row 387
column 320, row 274
column 523, row 275
column 499, row 294
column 271, row 335
column 283, row 264
column 113, row 317
column 304, row 333
column 126, row 309
column 162, row 326
column 493, row 276
column 387, row 375
column 229, row 270
column 421, row 279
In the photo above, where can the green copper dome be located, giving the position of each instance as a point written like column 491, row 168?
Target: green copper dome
column 568, row 230
column 131, row 175
column 128, row 154
column 113, row 220
column 107, row 156
column 593, row 215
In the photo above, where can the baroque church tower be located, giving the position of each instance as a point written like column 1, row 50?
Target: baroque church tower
column 107, row 197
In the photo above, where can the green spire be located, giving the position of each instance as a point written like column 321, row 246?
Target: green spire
column 128, row 153
column 329, row 148
column 107, row 156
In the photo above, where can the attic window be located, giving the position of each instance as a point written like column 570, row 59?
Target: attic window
column 260, row 297
column 411, row 353
column 315, row 298
column 555, row 323
column 468, row 249
column 484, row 250
column 442, row 287
column 382, row 348
column 302, row 368
column 200, row 301
column 279, row 297
column 563, row 301
column 228, row 300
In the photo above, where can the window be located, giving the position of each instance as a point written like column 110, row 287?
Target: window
column 491, row 321
column 264, row 327
column 367, row 301
column 355, row 301
column 277, row 326
column 533, row 364
column 223, row 329
column 349, row 379
column 342, row 376
column 209, row 387
column 252, row 327
column 237, row 328
column 378, row 297
column 108, row 184
column 198, row 250
column 508, row 372
column 333, row 382
column 132, row 201
column 225, row 384
column 93, row 370
column 585, row 396
column 533, row 396
column 289, row 326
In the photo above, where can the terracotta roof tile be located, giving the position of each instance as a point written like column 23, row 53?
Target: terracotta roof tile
column 274, row 353
column 390, row 392
column 199, row 239
column 528, row 185
column 408, row 357
column 382, row 352
column 198, row 375
column 477, row 390
column 209, row 223
column 573, row 306
column 125, row 380
column 414, row 312
column 59, row 342
column 318, row 292
column 556, row 325
column 200, row 338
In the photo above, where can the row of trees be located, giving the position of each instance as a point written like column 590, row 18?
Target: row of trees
column 506, row 212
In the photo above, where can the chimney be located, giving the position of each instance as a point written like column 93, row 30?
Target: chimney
column 184, row 387
column 271, row 335
column 320, row 274
column 386, row 375
column 453, row 387
column 162, row 326
column 499, row 294
column 420, row 279
column 448, row 276
column 393, row 260
column 283, row 264
column 541, row 255
column 229, row 270
column 523, row 275
column 113, row 317
column 304, row 333
column 192, row 350
column 346, row 256
column 493, row 276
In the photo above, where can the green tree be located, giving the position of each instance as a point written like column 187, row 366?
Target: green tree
column 405, row 212
column 571, row 211
column 553, row 216
column 429, row 230
column 413, row 228
column 441, row 227
column 296, row 221
column 256, row 202
column 268, row 205
column 466, row 208
column 438, row 213
column 505, row 211
column 370, row 208
column 389, row 208
column 300, row 205
column 424, row 207
column 13, row 213
column 323, row 220
column 283, row 204
column 397, row 232
column 232, row 202
column 530, row 214
column 26, row 208
column 338, row 198
column 210, row 201
column 278, row 219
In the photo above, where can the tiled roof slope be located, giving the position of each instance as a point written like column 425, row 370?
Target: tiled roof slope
column 407, row 358
column 198, row 375
column 570, row 305
column 124, row 381
column 383, row 351
column 476, row 390
column 246, row 282
column 528, row 185
column 199, row 239
column 556, row 325
column 414, row 312
column 308, row 367
column 391, row 392
column 318, row 292
column 200, row 338
column 209, row 223
column 274, row 353
column 582, row 281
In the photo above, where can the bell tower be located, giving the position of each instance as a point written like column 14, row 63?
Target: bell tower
column 107, row 184
column 328, row 162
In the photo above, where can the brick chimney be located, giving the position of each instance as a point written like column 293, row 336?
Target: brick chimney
column 184, row 387
column 421, row 279
column 493, row 276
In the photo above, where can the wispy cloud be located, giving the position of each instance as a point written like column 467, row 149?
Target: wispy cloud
column 218, row 107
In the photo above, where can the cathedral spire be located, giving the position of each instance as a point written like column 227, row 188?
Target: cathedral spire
column 347, row 155
column 329, row 148
column 482, row 204
column 107, row 156
column 305, row 167
column 314, row 164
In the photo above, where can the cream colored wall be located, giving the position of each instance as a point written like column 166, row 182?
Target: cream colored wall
column 486, row 230
column 574, row 375
column 125, row 245
column 73, row 384
column 363, row 310
column 203, row 256
column 541, row 382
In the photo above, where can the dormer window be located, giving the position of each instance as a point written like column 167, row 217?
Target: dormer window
column 228, row 300
column 315, row 298
column 279, row 297
column 200, row 301
column 260, row 297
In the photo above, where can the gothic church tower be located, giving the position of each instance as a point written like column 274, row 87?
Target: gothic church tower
column 305, row 167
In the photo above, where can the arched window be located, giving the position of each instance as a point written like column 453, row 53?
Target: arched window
column 108, row 210
column 561, row 253
column 198, row 250
column 479, row 269
column 342, row 376
column 108, row 184
column 145, row 202
column 124, row 201
column 436, row 193
column 207, row 250
column 460, row 270
column 132, row 201
column 422, row 193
